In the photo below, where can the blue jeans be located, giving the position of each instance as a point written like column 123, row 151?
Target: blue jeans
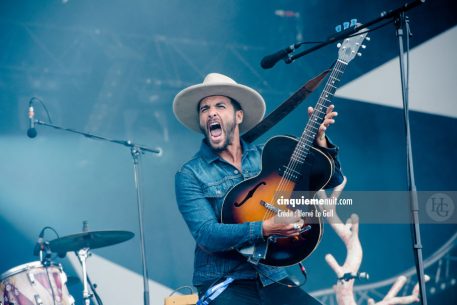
column 252, row 292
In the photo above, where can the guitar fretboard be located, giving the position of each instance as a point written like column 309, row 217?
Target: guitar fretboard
column 312, row 127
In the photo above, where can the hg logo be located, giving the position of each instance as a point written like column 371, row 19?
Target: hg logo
column 440, row 207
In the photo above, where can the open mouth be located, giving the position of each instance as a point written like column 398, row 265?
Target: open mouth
column 215, row 129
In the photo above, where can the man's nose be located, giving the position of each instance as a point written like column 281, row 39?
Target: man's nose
column 212, row 112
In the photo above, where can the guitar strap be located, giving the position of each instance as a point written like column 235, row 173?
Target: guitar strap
column 285, row 108
column 259, row 252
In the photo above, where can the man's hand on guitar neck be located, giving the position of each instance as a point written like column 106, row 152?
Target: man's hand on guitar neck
column 328, row 120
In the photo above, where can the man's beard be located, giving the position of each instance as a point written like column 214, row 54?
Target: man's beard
column 228, row 132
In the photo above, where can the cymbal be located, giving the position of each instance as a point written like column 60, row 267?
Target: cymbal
column 91, row 240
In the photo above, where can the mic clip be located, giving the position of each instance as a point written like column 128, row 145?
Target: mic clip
column 45, row 254
column 288, row 58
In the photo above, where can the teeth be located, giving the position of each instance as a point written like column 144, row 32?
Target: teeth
column 213, row 124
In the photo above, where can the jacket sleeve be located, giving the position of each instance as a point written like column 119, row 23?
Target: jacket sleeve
column 202, row 221
column 332, row 151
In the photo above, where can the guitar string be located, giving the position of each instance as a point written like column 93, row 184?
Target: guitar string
column 303, row 146
column 301, row 152
column 312, row 127
column 286, row 182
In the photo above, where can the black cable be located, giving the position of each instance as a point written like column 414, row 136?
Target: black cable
column 44, row 107
column 181, row 288
column 94, row 292
column 50, row 285
column 52, row 229
column 57, row 234
column 298, row 44
column 373, row 29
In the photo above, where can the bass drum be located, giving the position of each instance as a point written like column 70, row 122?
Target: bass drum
column 34, row 284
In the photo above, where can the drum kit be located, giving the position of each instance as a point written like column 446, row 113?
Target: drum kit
column 44, row 282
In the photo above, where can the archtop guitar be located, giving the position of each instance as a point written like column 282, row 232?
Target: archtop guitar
column 290, row 165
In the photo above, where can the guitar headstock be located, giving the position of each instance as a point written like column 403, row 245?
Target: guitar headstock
column 349, row 48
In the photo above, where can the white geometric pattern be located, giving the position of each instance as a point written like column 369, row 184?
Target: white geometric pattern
column 433, row 79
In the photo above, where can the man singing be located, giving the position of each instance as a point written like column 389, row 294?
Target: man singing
column 222, row 110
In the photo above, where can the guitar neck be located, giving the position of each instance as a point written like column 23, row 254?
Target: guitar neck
column 320, row 110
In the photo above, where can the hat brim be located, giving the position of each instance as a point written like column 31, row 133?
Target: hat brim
column 186, row 102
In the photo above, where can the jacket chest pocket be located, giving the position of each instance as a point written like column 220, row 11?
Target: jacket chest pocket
column 215, row 193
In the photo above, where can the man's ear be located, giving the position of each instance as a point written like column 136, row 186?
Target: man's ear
column 239, row 116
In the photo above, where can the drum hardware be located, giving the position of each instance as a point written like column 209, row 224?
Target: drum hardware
column 31, row 277
column 81, row 244
column 45, row 283
column 83, row 254
column 38, row 299
column 34, row 283
column 91, row 240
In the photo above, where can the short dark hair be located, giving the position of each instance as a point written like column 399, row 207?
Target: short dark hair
column 235, row 104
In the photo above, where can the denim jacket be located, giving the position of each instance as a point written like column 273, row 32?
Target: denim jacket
column 201, row 185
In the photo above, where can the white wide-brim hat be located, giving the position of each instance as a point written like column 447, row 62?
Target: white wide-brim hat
column 186, row 102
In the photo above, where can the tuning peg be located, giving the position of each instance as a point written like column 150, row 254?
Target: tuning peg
column 338, row 28
column 338, row 45
column 359, row 54
column 353, row 22
column 364, row 46
column 367, row 38
column 346, row 25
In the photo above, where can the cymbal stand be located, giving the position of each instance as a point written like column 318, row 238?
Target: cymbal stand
column 83, row 254
column 136, row 150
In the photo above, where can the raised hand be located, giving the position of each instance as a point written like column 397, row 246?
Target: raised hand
column 328, row 120
column 391, row 297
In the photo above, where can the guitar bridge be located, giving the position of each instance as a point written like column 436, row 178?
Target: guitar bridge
column 269, row 206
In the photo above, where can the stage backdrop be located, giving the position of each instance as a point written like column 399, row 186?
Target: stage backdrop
column 112, row 68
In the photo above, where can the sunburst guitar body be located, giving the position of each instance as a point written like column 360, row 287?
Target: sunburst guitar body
column 256, row 199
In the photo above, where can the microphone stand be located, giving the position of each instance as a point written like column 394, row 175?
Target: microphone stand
column 398, row 15
column 340, row 36
column 136, row 151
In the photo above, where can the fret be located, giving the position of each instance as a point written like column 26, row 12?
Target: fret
column 344, row 63
column 300, row 157
column 327, row 92
column 297, row 159
column 308, row 141
column 327, row 100
column 312, row 127
column 292, row 170
column 319, row 111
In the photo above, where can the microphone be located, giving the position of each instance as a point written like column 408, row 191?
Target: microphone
column 39, row 246
column 31, row 132
column 271, row 60
column 359, row 276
